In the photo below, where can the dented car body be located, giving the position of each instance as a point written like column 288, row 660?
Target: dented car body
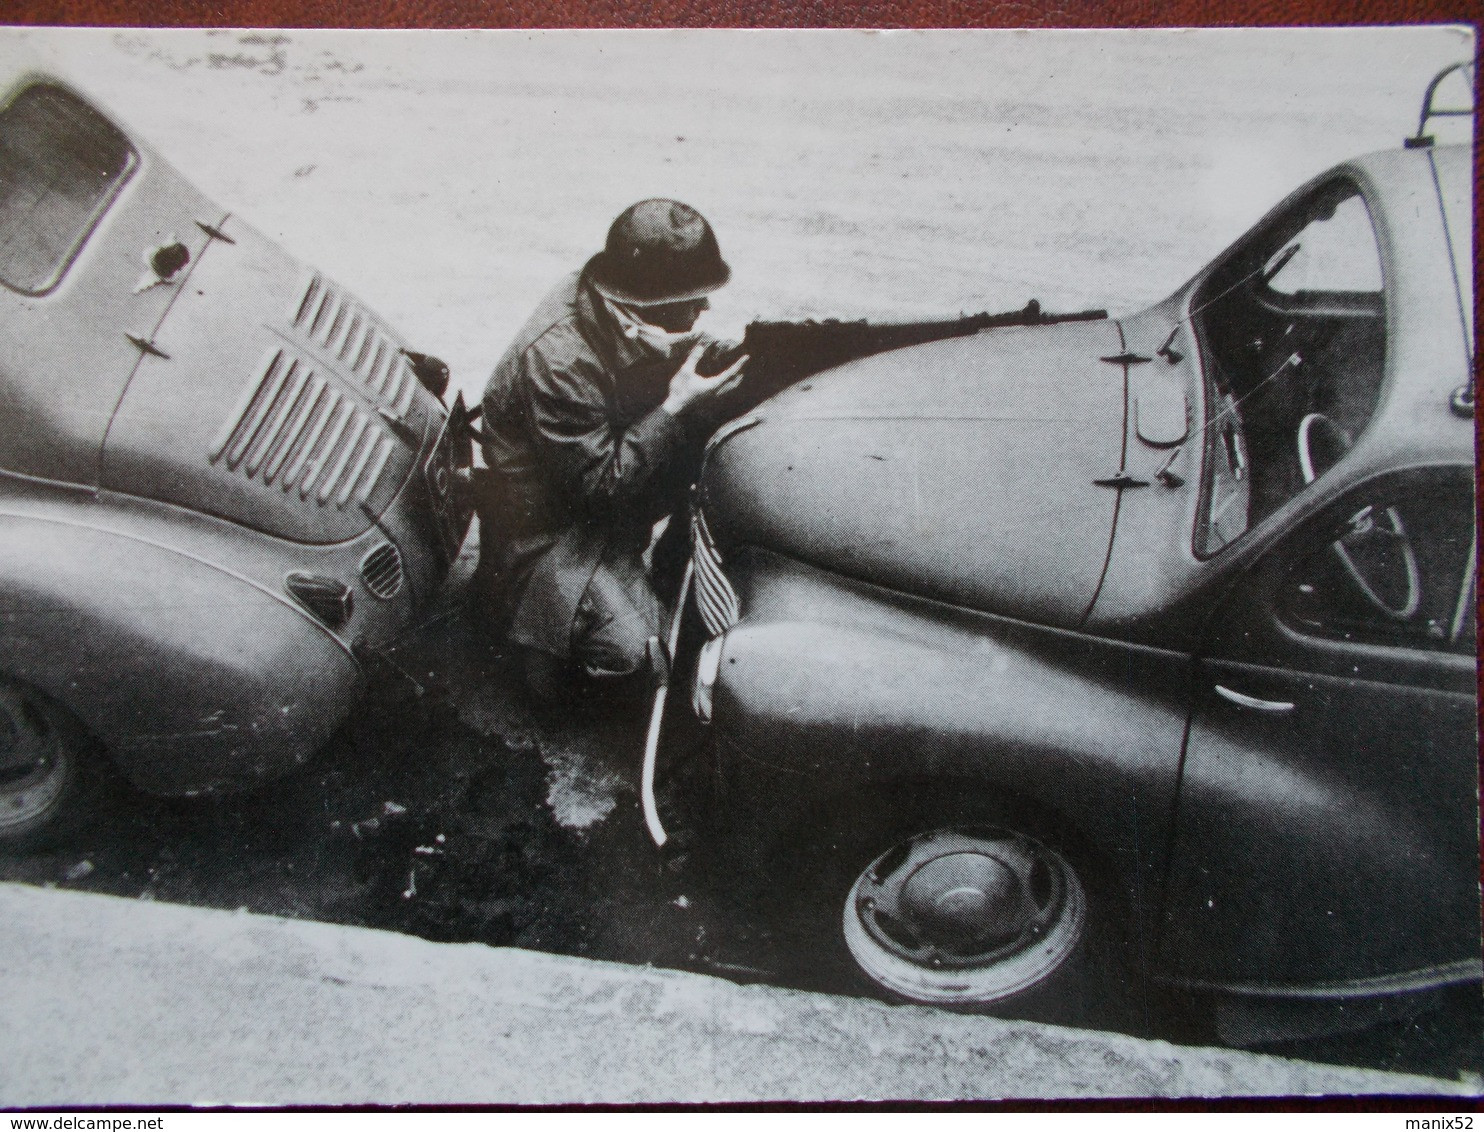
column 1164, row 622
column 222, row 485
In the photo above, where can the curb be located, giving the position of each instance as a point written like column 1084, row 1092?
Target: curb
column 112, row 1001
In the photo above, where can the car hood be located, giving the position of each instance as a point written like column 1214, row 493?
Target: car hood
column 961, row 471
column 270, row 397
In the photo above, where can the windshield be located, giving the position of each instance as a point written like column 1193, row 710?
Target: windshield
column 1293, row 337
column 60, row 165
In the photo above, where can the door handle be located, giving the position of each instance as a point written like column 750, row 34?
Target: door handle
column 1252, row 701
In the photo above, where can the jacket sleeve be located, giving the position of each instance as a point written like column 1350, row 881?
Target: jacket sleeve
column 607, row 469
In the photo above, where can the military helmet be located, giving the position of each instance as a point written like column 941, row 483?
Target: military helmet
column 658, row 251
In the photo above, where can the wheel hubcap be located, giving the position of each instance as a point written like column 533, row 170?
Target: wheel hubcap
column 965, row 898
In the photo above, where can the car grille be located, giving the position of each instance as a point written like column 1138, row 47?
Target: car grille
column 330, row 319
column 381, row 571
column 715, row 598
column 295, row 429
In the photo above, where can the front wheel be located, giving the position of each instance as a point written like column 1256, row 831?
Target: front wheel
column 46, row 768
column 936, row 894
column 965, row 917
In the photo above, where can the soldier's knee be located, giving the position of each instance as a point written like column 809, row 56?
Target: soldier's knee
column 618, row 650
column 615, row 620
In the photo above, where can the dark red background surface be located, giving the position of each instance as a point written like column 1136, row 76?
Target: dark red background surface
column 735, row 13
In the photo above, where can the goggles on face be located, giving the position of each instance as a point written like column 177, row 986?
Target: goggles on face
column 631, row 325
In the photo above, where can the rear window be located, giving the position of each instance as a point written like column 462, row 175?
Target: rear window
column 61, row 163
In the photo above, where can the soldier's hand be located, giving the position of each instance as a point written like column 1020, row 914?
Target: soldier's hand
column 688, row 387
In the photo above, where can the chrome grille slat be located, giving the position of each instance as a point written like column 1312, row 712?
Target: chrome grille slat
column 341, row 342
column 405, row 382
column 234, row 418
column 388, row 366
column 342, row 419
column 373, row 360
column 357, row 324
column 369, row 356
column 391, row 389
column 353, row 440
column 273, row 432
column 257, row 413
column 382, row 369
column 368, row 485
column 331, row 406
column 311, row 292
column 308, row 402
column 326, row 303
column 335, row 324
column 396, row 374
column 367, row 341
column 348, row 485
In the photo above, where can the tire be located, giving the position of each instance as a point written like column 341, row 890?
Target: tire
column 964, row 916
column 49, row 769
column 955, row 904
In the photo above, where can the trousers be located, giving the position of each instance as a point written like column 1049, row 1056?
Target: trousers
column 618, row 614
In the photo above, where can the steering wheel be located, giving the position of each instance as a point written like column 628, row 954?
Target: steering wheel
column 1376, row 550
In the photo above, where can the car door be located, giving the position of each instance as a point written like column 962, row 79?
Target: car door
column 1327, row 818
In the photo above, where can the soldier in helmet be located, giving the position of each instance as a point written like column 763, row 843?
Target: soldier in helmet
column 593, row 422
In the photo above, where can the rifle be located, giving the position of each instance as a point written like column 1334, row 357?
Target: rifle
column 784, row 353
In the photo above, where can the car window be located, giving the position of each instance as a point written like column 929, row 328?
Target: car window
column 61, row 163
column 1334, row 252
column 1292, row 327
column 1394, row 564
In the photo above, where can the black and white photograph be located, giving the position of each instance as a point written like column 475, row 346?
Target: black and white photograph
column 697, row 566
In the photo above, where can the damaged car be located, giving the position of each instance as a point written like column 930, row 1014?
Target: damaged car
column 1148, row 638
column 225, row 483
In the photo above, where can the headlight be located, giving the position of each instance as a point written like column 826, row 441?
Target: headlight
column 708, row 664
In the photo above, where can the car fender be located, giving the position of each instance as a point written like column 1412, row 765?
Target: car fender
column 193, row 677
column 834, row 689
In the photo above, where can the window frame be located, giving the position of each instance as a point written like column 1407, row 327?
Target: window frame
column 1215, row 397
